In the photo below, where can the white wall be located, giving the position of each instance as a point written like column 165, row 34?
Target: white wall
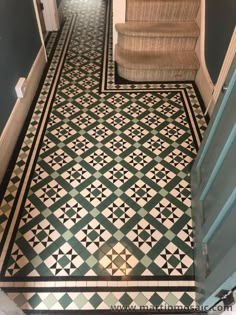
column 203, row 79
column 210, row 92
column 119, row 8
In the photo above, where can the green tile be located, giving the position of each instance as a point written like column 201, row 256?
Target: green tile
column 171, row 299
column 125, row 300
column 95, row 300
column 156, row 300
column 91, row 261
column 141, row 299
column 186, row 299
column 119, row 235
column 146, row 261
column 65, row 301
column 50, row 300
column 80, row 300
column 110, row 300
column 34, row 301
column 170, row 235
column 20, row 300
column 77, row 90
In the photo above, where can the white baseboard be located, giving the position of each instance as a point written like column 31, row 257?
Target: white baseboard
column 119, row 12
column 203, row 80
column 19, row 113
column 205, row 86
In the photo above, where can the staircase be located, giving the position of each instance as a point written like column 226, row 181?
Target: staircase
column 157, row 42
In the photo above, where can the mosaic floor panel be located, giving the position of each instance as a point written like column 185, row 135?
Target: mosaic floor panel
column 97, row 211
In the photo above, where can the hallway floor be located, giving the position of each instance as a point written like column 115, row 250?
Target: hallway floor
column 97, row 210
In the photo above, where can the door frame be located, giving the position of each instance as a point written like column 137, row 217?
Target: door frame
column 197, row 212
column 36, row 9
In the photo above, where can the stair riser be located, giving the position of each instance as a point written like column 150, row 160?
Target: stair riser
column 142, row 75
column 162, row 10
column 156, row 44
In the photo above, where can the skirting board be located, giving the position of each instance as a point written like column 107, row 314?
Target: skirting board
column 204, row 85
column 203, row 80
column 19, row 113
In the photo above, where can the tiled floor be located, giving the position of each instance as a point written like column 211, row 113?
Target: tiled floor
column 97, row 212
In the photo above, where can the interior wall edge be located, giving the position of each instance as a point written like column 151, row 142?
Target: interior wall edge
column 19, row 113
column 203, row 80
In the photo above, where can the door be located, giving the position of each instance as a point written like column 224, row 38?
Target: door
column 214, row 201
column 40, row 8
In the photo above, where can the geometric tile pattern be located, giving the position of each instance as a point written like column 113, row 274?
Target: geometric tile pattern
column 110, row 83
column 103, row 192
column 115, row 301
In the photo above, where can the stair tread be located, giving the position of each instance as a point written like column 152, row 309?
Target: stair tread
column 162, row 29
column 162, row 10
column 157, row 60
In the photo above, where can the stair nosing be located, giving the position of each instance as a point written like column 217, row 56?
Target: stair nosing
column 128, row 29
column 151, row 59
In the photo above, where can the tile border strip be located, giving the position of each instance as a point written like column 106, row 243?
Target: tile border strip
column 13, row 217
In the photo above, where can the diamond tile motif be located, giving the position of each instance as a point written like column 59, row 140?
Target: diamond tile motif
column 101, row 110
column 64, row 261
column 83, row 120
column 39, row 174
column 134, row 110
column 93, row 236
column 182, row 192
column 167, row 109
column 118, row 99
column 172, row 132
column 152, row 120
column 119, row 261
column 173, row 260
column 100, row 132
column 138, row 159
column 100, row 301
column 50, row 193
column 136, row 132
column 118, row 175
column 58, row 159
column 47, row 145
column 118, row 145
column 96, row 193
column 118, row 121
column 67, row 110
column 161, row 175
column 166, row 213
column 18, row 260
column 98, row 159
column 156, row 145
column 42, row 236
column 30, row 212
column 178, row 158
column 80, row 145
column 70, row 213
column 118, row 213
column 141, row 193
column 186, row 234
column 144, row 235
column 76, row 175
column 63, row 132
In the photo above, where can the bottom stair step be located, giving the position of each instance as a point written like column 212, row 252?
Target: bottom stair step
column 156, row 66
